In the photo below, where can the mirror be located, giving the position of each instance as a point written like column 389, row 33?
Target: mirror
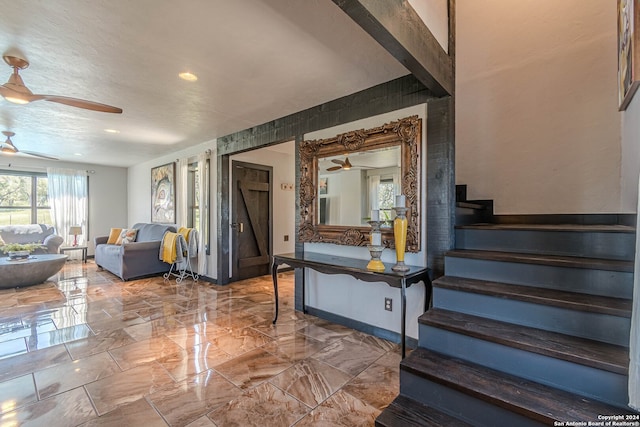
column 343, row 178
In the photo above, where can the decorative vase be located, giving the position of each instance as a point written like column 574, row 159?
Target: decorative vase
column 18, row 255
column 400, row 224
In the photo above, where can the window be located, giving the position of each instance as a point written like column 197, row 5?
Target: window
column 194, row 199
column 386, row 199
column 23, row 198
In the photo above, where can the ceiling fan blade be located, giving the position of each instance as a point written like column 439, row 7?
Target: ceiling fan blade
column 338, row 161
column 334, row 168
column 42, row 156
column 78, row 103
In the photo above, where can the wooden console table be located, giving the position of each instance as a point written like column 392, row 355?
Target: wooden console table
column 330, row 264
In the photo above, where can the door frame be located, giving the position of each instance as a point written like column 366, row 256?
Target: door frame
column 233, row 203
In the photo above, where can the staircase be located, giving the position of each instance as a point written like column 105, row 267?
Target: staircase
column 530, row 325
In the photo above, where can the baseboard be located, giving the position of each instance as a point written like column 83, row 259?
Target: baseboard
column 362, row 327
column 208, row 279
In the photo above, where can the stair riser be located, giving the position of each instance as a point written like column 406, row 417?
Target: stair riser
column 596, row 282
column 595, row 326
column 460, row 405
column 619, row 246
column 591, row 382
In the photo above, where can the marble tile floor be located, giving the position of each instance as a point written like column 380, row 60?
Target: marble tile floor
column 88, row 349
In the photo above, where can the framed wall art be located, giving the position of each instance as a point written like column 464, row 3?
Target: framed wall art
column 163, row 196
column 628, row 51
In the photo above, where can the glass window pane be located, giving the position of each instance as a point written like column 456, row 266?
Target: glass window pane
column 15, row 190
column 15, row 216
column 44, row 216
column 386, row 195
column 42, row 195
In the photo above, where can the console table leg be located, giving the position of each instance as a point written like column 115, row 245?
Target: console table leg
column 274, row 275
column 403, row 303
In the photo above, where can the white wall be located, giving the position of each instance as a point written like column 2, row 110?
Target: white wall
column 107, row 192
column 362, row 301
column 630, row 155
column 282, row 159
column 537, row 122
column 435, row 15
column 139, row 194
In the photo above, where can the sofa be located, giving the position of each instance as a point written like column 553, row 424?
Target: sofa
column 33, row 233
column 136, row 259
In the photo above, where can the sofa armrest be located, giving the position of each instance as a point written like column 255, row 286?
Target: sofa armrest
column 53, row 242
column 100, row 240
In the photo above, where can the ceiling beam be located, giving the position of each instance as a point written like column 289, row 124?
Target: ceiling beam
column 398, row 28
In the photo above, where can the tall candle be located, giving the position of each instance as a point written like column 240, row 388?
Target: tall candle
column 401, row 201
column 376, row 239
column 375, row 215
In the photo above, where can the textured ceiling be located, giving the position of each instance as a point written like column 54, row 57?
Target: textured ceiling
column 256, row 61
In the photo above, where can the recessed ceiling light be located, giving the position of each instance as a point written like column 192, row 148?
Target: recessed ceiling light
column 190, row 77
column 112, row 131
column 77, row 154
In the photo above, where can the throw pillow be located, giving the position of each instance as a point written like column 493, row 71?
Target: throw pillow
column 127, row 236
column 113, row 236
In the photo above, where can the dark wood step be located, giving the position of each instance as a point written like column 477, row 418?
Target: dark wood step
column 606, row 219
column 470, row 205
column 582, row 351
column 579, row 228
column 406, row 412
column 569, row 300
column 551, row 260
column 527, row 398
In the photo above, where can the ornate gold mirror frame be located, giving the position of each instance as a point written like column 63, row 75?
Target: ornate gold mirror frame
column 407, row 133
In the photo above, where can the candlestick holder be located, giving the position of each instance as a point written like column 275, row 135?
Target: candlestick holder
column 375, row 248
column 400, row 224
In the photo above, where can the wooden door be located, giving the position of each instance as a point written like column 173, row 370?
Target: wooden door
column 251, row 220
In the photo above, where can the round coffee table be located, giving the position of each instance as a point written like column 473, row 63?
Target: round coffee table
column 31, row 271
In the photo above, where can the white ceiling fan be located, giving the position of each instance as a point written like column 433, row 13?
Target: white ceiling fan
column 15, row 91
column 7, row 147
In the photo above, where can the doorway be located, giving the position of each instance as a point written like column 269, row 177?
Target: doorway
column 251, row 220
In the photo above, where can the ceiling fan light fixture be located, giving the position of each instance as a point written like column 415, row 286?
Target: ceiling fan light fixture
column 8, row 150
column 112, row 131
column 16, row 100
column 19, row 92
column 188, row 76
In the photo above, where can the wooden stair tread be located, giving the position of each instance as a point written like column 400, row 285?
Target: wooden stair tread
column 471, row 205
column 599, row 228
column 527, row 398
column 582, row 351
column 406, row 412
column 570, row 300
column 552, row 260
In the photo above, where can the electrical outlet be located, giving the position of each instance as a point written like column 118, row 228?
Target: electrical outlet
column 388, row 304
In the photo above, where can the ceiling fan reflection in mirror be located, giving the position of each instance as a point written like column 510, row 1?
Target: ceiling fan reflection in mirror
column 346, row 164
column 7, row 147
column 15, row 91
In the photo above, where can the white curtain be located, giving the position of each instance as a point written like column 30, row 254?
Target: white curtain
column 397, row 188
column 203, row 203
column 182, row 207
column 68, row 198
column 634, row 341
column 374, row 184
